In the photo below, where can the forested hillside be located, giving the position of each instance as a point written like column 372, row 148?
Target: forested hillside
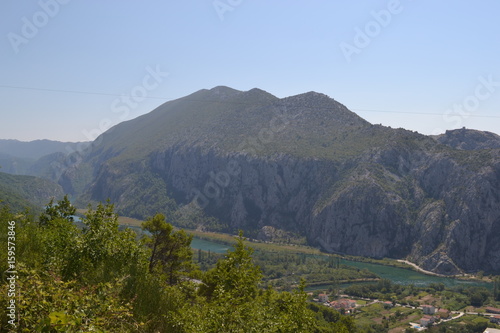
column 21, row 192
column 102, row 279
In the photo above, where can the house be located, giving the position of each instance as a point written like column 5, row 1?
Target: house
column 426, row 321
column 388, row 304
column 428, row 309
column 490, row 309
column 344, row 304
column 352, row 303
column 323, row 298
column 495, row 319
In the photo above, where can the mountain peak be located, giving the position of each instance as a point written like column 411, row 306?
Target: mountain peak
column 224, row 92
column 312, row 95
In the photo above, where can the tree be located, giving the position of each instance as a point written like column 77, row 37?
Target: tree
column 62, row 210
column 171, row 251
column 476, row 299
column 102, row 252
column 236, row 275
column 231, row 301
column 49, row 304
column 59, row 237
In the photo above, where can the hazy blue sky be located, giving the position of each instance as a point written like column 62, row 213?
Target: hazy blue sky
column 68, row 66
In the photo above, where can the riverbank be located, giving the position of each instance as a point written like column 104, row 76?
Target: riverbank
column 420, row 269
column 257, row 245
column 463, row 277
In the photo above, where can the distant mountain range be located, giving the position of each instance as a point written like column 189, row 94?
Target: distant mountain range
column 307, row 165
column 35, row 149
column 22, row 158
column 21, row 161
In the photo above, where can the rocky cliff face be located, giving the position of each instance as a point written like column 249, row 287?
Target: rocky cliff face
column 443, row 215
column 313, row 168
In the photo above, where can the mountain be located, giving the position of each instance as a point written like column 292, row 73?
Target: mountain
column 36, row 158
column 33, row 150
column 21, row 192
column 14, row 165
column 307, row 165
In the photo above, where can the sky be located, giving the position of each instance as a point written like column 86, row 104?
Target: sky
column 71, row 69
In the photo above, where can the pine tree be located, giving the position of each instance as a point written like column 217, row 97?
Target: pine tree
column 170, row 250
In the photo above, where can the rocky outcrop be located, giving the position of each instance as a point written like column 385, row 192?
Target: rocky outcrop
column 467, row 139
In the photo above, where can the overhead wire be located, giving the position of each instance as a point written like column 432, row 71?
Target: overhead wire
column 169, row 99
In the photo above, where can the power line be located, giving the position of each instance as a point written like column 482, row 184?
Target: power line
column 76, row 92
column 167, row 99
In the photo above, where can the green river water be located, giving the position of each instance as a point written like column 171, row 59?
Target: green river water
column 395, row 274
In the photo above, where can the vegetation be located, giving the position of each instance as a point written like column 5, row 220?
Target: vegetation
column 20, row 192
column 378, row 317
column 99, row 277
column 103, row 279
column 466, row 324
column 283, row 265
column 455, row 298
column 170, row 251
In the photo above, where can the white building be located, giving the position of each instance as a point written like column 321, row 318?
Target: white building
column 323, row 298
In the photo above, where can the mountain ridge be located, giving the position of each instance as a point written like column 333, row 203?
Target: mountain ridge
column 305, row 164
column 37, row 148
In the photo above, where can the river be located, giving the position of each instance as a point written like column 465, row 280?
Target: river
column 205, row 245
column 395, row 274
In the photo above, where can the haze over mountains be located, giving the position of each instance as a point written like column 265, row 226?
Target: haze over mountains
column 21, row 161
column 303, row 164
column 24, row 158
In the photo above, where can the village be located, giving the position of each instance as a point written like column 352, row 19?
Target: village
column 418, row 318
